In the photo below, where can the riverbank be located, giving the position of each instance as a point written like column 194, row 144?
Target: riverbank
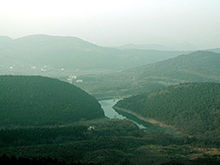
column 152, row 121
column 107, row 106
column 147, row 122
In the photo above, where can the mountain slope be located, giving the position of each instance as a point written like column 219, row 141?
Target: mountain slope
column 194, row 108
column 34, row 100
column 5, row 41
column 198, row 66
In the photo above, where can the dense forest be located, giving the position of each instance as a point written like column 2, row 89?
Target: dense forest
column 4, row 159
column 193, row 108
column 34, row 100
column 53, row 133
column 100, row 141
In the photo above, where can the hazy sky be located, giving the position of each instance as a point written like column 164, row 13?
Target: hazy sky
column 116, row 22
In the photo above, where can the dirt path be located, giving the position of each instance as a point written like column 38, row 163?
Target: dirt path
column 152, row 121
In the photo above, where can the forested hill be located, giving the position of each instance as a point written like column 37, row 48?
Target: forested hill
column 200, row 66
column 34, row 100
column 197, row 66
column 191, row 107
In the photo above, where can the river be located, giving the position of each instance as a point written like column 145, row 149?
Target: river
column 112, row 114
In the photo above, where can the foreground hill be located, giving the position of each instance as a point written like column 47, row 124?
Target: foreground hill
column 200, row 66
column 30, row 54
column 193, row 108
column 34, row 100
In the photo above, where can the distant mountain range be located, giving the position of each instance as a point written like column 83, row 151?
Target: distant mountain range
column 31, row 54
column 37, row 101
column 217, row 50
column 180, row 46
column 144, row 46
column 200, row 66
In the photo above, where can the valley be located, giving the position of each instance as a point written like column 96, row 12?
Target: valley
column 100, row 82
column 154, row 107
column 199, row 66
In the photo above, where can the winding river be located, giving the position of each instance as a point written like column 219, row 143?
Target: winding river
column 112, row 114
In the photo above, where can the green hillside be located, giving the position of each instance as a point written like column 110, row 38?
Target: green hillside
column 193, row 108
column 34, row 100
column 199, row 66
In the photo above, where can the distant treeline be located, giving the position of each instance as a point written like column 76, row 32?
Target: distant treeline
column 5, row 160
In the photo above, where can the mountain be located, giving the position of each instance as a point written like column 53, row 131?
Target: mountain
column 144, row 46
column 4, row 41
column 197, row 66
column 34, row 100
column 200, row 66
column 217, row 50
column 178, row 46
column 193, row 108
column 68, row 55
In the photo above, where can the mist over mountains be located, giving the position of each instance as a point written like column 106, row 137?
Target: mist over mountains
column 176, row 47
column 120, row 82
column 44, row 54
column 170, row 110
column 105, row 68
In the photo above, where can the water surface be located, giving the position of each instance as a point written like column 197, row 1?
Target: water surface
column 112, row 114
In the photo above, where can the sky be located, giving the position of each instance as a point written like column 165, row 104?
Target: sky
column 116, row 22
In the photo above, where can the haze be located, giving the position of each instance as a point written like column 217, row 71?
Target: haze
column 180, row 24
